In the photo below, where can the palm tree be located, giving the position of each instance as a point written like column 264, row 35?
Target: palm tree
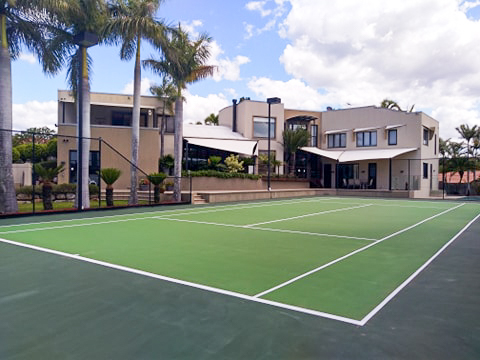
column 22, row 24
column 390, row 104
column 167, row 94
column 184, row 63
column 292, row 141
column 156, row 179
column 133, row 21
column 458, row 161
column 468, row 133
column 47, row 176
column 212, row 119
column 109, row 176
column 76, row 18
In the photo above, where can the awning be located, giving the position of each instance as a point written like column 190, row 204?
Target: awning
column 331, row 154
column 358, row 155
column 244, row 147
column 374, row 154
column 366, row 129
column 389, row 127
column 336, row 131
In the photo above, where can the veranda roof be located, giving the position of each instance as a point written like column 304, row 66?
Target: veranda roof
column 219, row 137
column 358, row 155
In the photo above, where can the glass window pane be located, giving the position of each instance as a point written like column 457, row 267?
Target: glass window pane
column 373, row 138
column 359, row 139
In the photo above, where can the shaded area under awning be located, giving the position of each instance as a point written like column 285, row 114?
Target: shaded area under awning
column 358, row 155
column 244, row 147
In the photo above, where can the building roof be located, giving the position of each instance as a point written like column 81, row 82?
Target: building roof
column 219, row 137
column 358, row 155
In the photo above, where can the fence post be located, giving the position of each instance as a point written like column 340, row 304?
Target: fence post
column 33, row 173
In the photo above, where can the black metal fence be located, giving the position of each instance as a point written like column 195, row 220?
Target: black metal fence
column 41, row 160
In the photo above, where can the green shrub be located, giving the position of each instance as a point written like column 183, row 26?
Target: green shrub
column 16, row 155
column 221, row 174
column 51, row 149
column 156, row 178
column 233, row 164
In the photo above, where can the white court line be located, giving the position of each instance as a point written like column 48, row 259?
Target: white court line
column 231, row 293
column 152, row 214
column 301, row 276
column 306, row 215
column 186, row 283
column 414, row 275
column 265, row 229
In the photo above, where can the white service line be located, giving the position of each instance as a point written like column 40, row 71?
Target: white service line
column 351, row 254
column 265, row 229
column 306, row 215
column 186, row 283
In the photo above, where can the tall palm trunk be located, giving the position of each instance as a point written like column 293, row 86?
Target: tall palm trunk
column 133, row 199
column 85, row 100
column 178, row 149
column 8, row 201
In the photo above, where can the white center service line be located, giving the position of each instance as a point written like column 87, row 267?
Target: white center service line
column 352, row 253
column 306, row 215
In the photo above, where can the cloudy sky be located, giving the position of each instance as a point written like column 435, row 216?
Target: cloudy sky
column 310, row 53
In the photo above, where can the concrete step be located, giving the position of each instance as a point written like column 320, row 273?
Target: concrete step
column 198, row 199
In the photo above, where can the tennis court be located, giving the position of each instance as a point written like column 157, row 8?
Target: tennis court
column 338, row 258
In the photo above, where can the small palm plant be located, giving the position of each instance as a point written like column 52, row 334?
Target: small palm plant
column 156, row 179
column 109, row 176
column 47, row 176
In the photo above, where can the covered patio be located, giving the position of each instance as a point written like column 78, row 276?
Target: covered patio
column 370, row 169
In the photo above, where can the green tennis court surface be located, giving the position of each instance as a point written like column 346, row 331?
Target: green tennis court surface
column 340, row 258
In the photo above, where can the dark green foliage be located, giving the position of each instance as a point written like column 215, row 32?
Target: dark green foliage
column 52, row 148
column 110, row 175
column 156, row 178
column 165, row 163
column 221, row 174
column 27, row 152
column 16, row 156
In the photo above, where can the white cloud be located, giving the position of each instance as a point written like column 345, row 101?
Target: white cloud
column 34, row 114
column 274, row 14
column 28, row 58
column 227, row 69
column 416, row 52
column 258, row 6
column 144, row 86
column 191, row 27
column 197, row 108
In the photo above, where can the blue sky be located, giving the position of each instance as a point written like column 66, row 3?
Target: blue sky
column 310, row 53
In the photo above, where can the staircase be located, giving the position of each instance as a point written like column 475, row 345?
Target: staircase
column 198, row 199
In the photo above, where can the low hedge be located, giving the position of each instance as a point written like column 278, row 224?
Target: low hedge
column 221, row 174
column 59, row 192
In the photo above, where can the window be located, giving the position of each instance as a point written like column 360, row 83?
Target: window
column 169, row 124
column 425, row 170
column 121, row 118
column 425, row 136
column 260, row 127
column 435, row 144
column 392, row 137
column 314, row 135
column 337, row 140
column 366, row 138
column 124, row 118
